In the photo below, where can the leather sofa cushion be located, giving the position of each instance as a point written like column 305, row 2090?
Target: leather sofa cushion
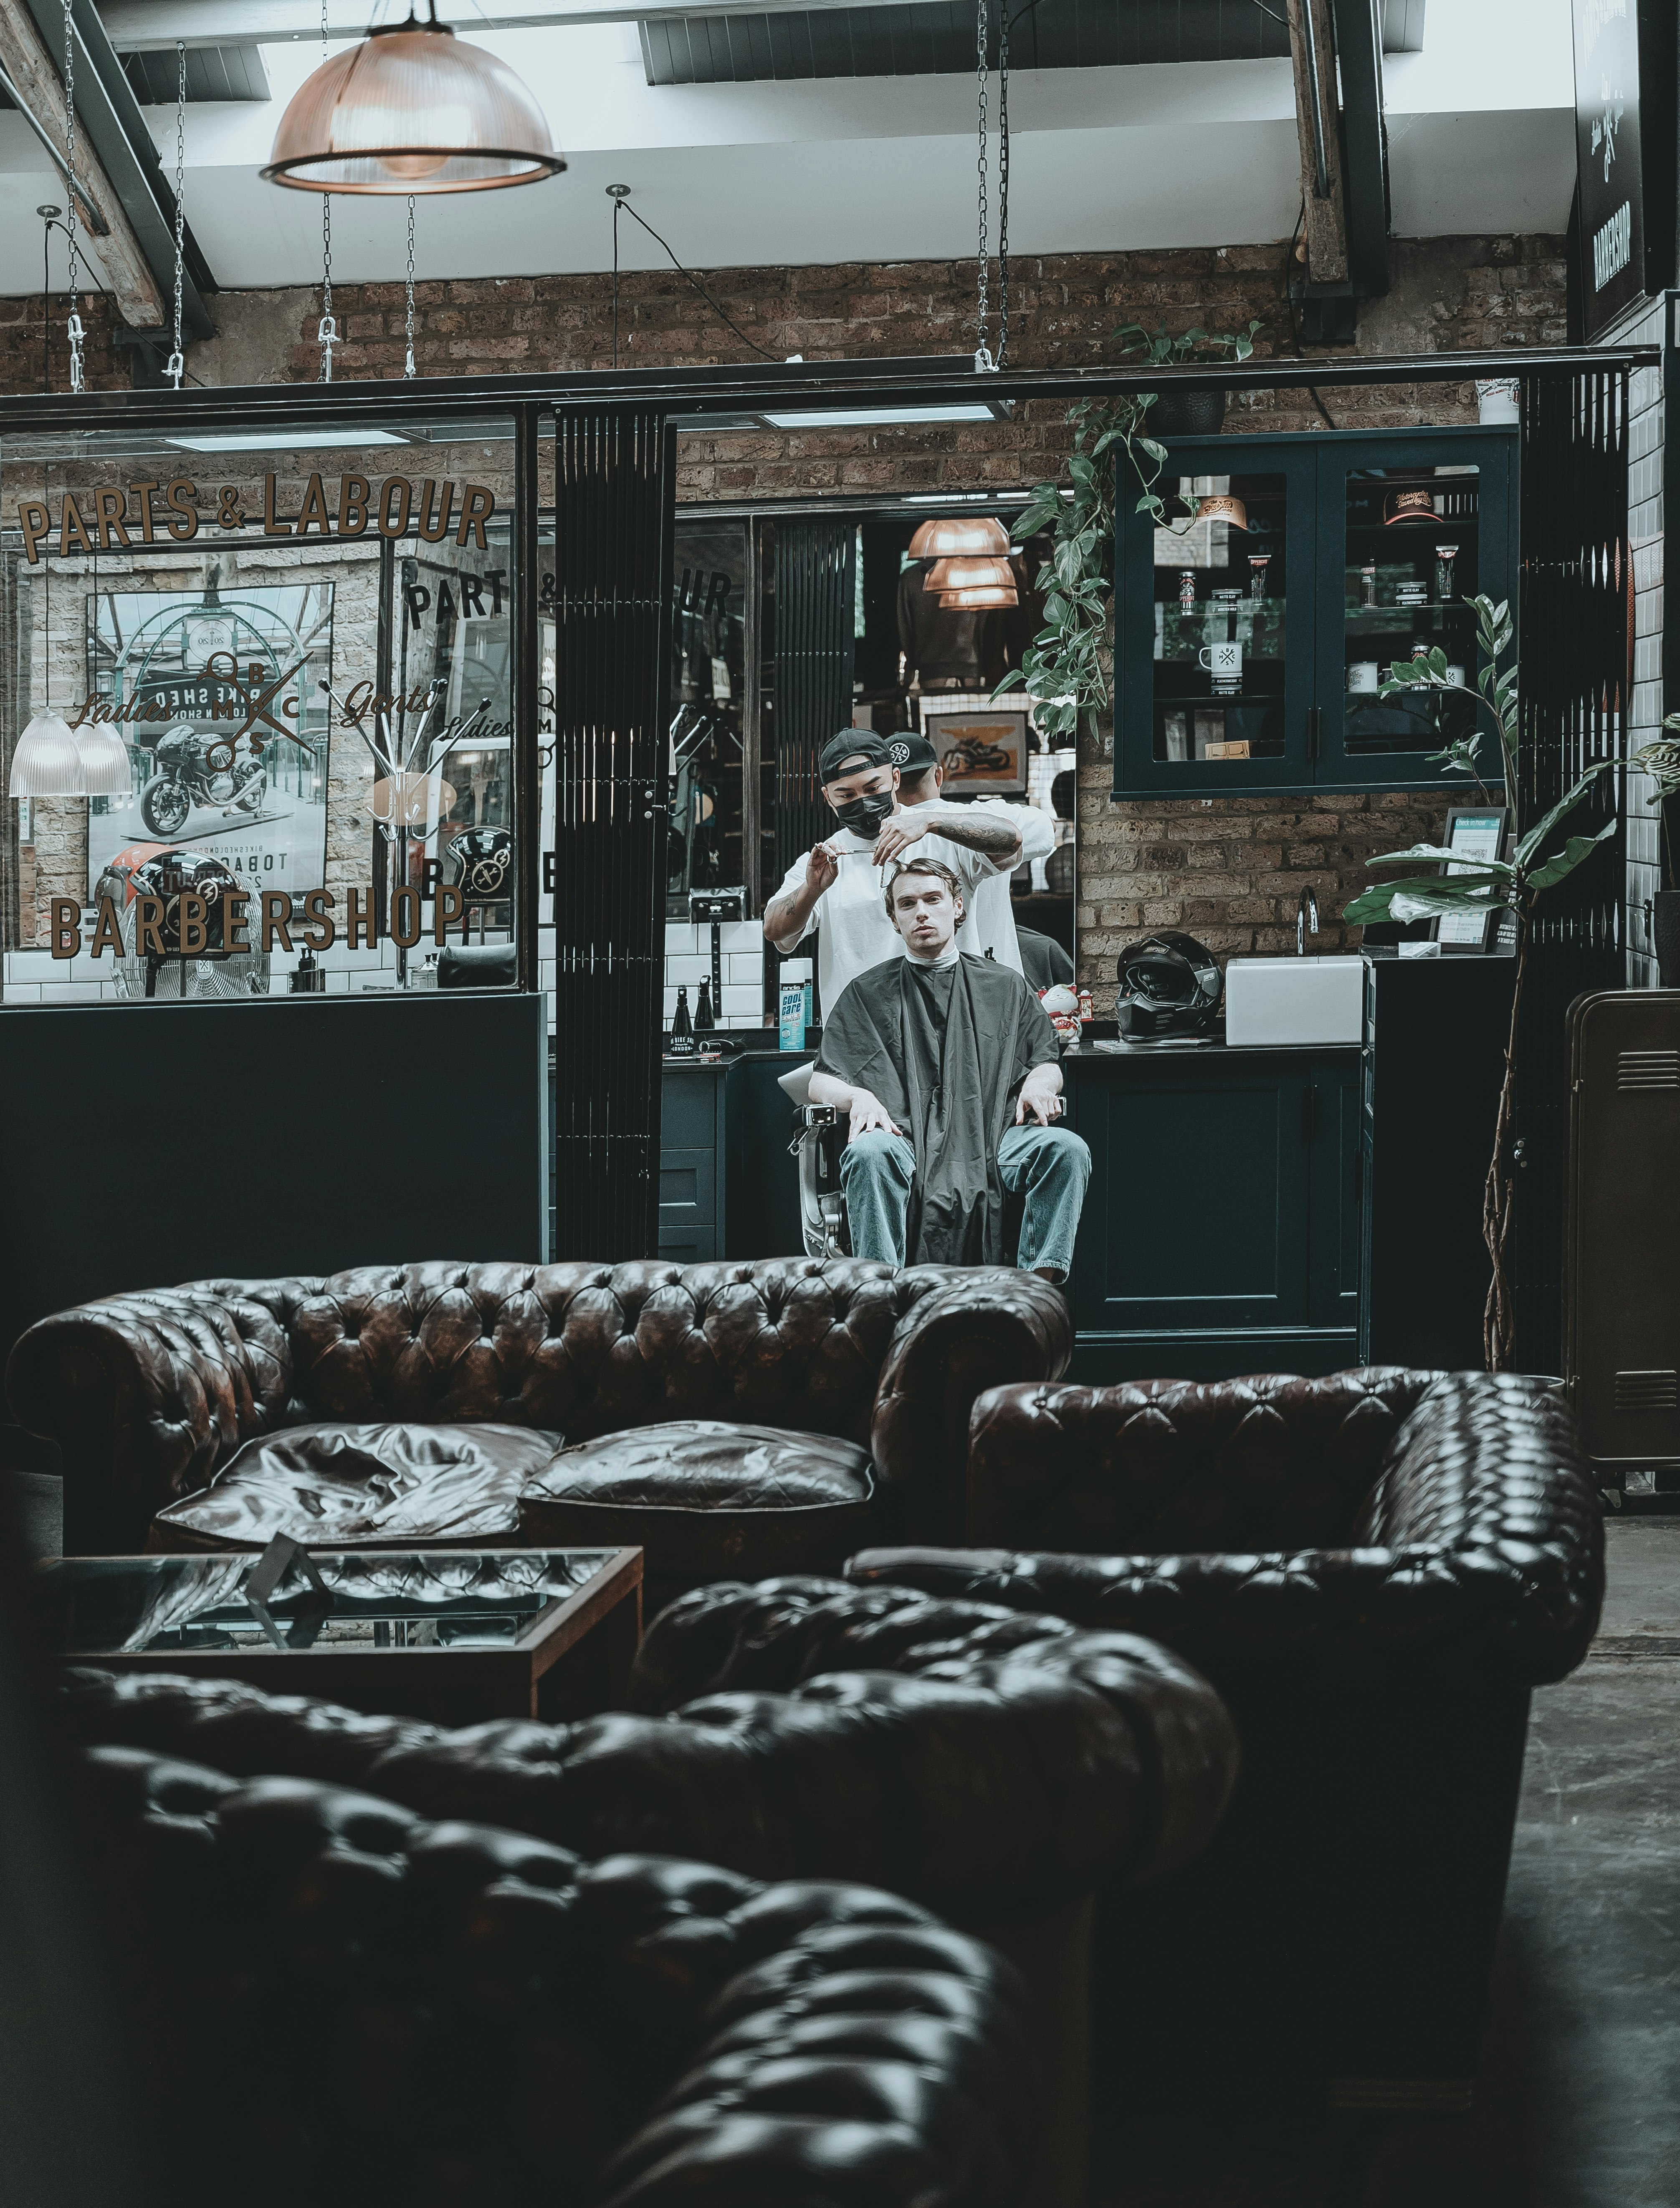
column 704, row 1498
column 343, row 1486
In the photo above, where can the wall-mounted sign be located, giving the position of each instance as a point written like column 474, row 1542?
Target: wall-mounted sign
column 1608, row 159
column 218, row 700
column 114, row 517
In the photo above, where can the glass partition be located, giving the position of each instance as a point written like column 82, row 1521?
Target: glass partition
column 257, row 711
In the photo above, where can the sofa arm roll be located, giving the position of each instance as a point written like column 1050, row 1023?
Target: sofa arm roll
column 145, row 1395
column 974, row 1328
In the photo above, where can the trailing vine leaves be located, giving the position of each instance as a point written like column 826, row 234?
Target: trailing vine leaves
column 1479, row 887
column 1067, row 670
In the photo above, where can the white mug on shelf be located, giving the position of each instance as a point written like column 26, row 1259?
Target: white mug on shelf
column 1362, row 676
column 1224, row 662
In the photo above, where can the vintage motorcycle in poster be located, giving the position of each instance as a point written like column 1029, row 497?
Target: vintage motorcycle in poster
column 198, row 768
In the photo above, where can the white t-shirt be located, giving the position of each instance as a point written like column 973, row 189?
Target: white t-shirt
column 849, row 918
column 988, row 923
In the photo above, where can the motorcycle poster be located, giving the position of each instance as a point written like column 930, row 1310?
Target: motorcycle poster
column 218, row 700
column 982, row 751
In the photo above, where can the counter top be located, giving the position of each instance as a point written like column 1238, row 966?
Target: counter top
column 1115, row 1050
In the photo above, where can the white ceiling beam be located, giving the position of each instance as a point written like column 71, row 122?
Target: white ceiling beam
column 153, row 25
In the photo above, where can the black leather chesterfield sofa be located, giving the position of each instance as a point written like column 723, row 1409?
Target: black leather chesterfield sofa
column 1374, row 1569
column 328, row 1998
column 727, row 1418
column 993, row 1768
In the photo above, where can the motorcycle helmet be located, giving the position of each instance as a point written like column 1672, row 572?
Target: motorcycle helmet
column 479, row 863
column 1169, row 984
column 171, row 875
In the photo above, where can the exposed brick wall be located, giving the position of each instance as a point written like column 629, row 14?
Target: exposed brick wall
column 1229, row 870
column 1447, row 293
column 104, row 368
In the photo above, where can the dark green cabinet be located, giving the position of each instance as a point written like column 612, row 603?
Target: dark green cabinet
column 1221, row 1232
column 691, row 1163
column 1252, row 633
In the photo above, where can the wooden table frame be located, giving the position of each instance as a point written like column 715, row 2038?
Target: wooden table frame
column 572, row 1660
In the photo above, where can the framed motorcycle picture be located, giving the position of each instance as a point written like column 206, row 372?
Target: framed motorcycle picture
column 982, row 749
column 217, row 695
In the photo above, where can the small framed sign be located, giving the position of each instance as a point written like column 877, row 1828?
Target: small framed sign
column 982, row 749
column 1478, row 833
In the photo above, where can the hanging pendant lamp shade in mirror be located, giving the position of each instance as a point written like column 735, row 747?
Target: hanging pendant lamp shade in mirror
column 106, row 771
column 970, row 575
column 983, row 599
column 47, row 763
column 412, row 108
column 972, row 535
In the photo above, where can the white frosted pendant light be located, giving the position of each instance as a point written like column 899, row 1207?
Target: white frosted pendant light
column 47, row 763
column 412, row 109
column 106, row 771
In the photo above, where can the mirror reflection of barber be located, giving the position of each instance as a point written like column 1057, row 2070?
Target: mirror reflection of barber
column 989, row 921
column 836, row 890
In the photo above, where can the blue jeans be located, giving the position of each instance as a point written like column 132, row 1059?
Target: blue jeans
column 1050, row 1165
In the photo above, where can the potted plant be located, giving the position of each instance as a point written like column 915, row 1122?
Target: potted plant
column 1067, row 668
column 1186, row 413
column 1661, row 761
column 1536, row 865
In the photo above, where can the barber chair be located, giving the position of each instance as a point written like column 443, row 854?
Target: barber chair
column 820, row 1138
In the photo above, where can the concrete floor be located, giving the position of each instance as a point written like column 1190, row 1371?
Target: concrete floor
column 1578, row 2101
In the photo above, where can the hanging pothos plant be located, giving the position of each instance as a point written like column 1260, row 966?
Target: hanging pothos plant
column 1476, row 886
column 1066, row 668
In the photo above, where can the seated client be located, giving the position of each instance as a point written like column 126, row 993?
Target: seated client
column 947, row 1066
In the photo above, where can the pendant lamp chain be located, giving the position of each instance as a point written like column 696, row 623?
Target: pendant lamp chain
column 982, row 23
column 983, row 357
column 327, row 334
column 408, row 296
column 178, row 360
column 72, row 269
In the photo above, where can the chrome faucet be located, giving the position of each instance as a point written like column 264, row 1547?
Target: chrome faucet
column 1307, row 905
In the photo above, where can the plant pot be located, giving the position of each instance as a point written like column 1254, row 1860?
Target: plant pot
column 1665, row 936
column 1187, row 414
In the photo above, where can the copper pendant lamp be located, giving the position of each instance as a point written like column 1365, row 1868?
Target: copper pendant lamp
column 982, row 599
column 970, row 574
column 971, row 536
column 412, row 109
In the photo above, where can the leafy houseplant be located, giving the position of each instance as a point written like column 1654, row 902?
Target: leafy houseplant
column 1476, row 886
column 1066, row 668
column 1661, row 761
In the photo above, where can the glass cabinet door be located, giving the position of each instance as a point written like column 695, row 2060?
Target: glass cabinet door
column 1411, row 528
column 1254, row 631
column 1210, row 695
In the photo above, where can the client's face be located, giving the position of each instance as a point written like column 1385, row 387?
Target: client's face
column 924, row 914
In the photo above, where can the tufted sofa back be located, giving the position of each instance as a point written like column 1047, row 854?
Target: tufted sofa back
column 580, row 1349
column 348, row 2002
column 1183, row 1467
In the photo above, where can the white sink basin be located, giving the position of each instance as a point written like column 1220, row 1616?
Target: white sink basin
column 1289, row 1001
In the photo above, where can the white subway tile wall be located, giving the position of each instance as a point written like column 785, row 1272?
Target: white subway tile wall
column 742, row 955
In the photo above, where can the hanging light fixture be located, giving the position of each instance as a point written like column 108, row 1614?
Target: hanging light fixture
column 47, row 763
column 973, row 535
column 982, row 598
column 954, row 574
column 412, row 109
column 106, row 771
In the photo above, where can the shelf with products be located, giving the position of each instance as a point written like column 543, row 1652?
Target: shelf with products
column 1254, row 633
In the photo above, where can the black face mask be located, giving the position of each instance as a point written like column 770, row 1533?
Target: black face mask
column 864, row 816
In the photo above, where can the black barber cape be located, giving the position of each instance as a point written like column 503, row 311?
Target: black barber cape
column 945, row 1049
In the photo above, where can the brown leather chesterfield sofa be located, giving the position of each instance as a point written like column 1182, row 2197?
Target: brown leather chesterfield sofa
column 328, row 1998
column 1374, row 1569
column 727, row 1418
column 993, row 1768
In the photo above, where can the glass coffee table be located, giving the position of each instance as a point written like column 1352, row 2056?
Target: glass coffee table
column 455, row 1635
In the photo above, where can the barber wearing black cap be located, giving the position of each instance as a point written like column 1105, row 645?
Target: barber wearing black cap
column 837, row 889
